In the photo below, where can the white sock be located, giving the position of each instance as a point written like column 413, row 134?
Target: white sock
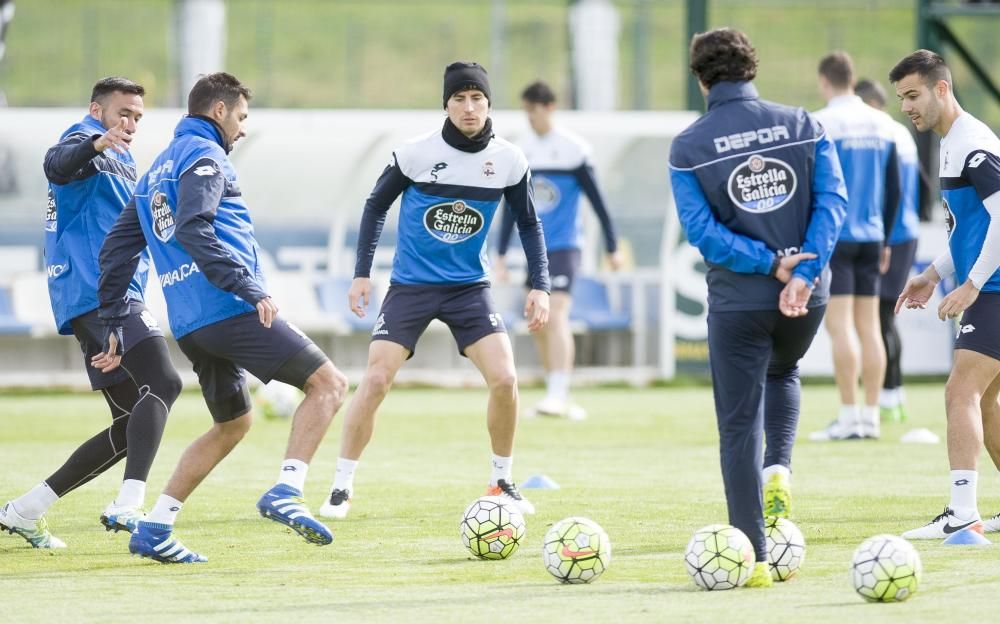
column 774, row 469
column 888, row 398
column 343, row 479
column 557, row 385
column 963, row 493
column 502, row 467
column 848, row 415
column 35, row 501
column 165, row 510
column 293, row 473
column 132, row 494
column 870, row 416
column 900, row 396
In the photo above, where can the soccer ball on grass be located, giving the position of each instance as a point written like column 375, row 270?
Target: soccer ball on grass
column 576, row 550
column 886, row 568
column 719, row 556
column 491, row 529
column 786, row 547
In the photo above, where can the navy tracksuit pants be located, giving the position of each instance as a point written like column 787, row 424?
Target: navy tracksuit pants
column 754, row 357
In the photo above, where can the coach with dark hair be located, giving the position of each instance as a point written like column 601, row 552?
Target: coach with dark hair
column 760, row 193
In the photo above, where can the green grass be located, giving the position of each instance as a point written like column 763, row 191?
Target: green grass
column 645, row 466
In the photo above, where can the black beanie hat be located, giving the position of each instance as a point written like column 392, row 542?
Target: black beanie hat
column 460, row 76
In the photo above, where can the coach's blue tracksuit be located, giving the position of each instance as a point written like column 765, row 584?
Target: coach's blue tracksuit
column 190, row 210
column 752, row 181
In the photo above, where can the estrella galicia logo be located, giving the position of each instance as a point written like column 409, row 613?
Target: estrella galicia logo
column 949, row 217
column 546, row 194
column 163, row 218
column 50, row 213
column 453, row 222
column 441, row 166
column 762, row 184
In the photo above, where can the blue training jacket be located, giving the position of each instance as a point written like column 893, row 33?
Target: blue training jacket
column 190, row 210
column 87, row 191
column 753, row 180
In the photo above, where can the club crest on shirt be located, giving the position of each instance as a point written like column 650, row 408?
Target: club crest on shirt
column 50, row 213
column 546, row 194
column 949, row 217
column 453, row 222
column 163, row 218
column 488, row 169
column 761, row 184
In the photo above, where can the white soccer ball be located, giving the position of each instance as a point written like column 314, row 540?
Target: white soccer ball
column 576, row 550
column 719, row 556
column 886, row 568
column 277, row 400
column 786, row 547
column 491, row 529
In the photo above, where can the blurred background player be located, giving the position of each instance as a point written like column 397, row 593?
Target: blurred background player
column 560, row 170
column 91, row 177
column 969, row 173
column 865, row 140
column 190, row 210
column 765, row 215
column 903, row 249
column 452, row 181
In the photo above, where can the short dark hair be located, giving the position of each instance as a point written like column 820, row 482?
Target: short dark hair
column 211, row 88
column 838, row 69
column 928, row 65
column 871, row 92
column 538, row 92
column 722, row 54
column 111, row 84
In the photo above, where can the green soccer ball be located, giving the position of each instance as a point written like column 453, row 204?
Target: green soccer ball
column 576, row 550
column 719, row 556
column 786, row 547
column 276, row 400
column 886, row 568
column 491, row 529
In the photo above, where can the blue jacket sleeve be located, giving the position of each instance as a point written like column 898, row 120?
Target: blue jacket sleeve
column 118, row 260
column 198, row 198
column 893, row 178
column 521, row 203
column 588, row 182
column 829, row 206
column 390, row 184
column 717, row 243
column 65, row 161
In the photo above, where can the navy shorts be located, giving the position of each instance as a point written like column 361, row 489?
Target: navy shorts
column 222, row 352
column 89, row 331
column 855, row 269
column 900, row 263
column 468, row 310
column 979, row 329
column 563, row 265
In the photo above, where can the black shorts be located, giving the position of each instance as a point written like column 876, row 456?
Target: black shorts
column 468, row 310
column 979, row 329
column 222, row 352
column 563, row 265
column 89, row 331
column 900, row 263
column 855, row 269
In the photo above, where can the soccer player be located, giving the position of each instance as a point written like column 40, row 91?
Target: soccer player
column 865, row 140
column 189, row 209
column 759, row 192
column 560, row 171
column 452, row 180
column 969, row 172
column 903, row 249
column 91, row 177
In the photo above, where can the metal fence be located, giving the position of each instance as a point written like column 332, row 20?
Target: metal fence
column 390, row 53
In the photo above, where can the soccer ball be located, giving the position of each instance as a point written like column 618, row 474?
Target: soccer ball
column 886, row 568
column 786, row 547
column 277, row 400
column 576, row 550
column 719, row 556
column 491, row 529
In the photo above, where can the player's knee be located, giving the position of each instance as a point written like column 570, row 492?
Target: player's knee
column 234, row 430
column 504, row 383
column 170, row 386
column 329, row 384
column 378, row 380
column 958, row 395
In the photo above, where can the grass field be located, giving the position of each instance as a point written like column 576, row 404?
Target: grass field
column 645, row 466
